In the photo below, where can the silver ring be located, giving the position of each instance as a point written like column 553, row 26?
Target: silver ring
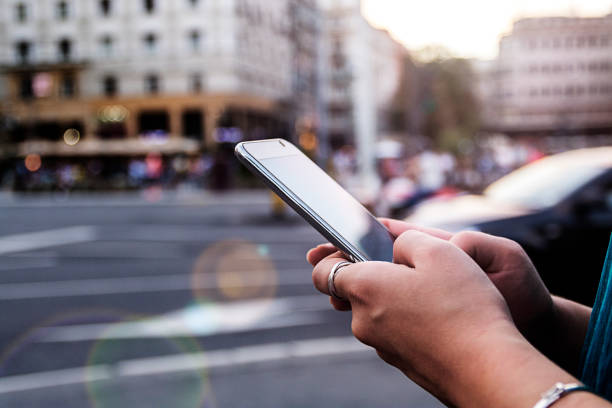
column 332, row 277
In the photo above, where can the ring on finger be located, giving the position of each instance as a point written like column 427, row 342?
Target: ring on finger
column 332, row 277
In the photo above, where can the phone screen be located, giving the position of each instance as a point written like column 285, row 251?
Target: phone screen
column 333, row 204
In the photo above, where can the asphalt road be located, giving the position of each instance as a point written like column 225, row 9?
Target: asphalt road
column 182, row 299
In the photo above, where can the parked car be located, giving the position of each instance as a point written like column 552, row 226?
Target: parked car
column 558, row 208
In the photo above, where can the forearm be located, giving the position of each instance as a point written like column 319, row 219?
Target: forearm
column 514, row 374
column 561, row 338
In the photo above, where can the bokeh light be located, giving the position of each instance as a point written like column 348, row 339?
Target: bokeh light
column 113, row 114
column 188, row 388
column 17, row 352
column 33, row 162
column 239, row 269
column 72, row 137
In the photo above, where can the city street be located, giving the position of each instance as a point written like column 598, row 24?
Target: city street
column 181, row 299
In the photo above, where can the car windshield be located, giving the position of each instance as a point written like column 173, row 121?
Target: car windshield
column 542, row 184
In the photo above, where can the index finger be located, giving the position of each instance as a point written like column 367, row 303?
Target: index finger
column 321, row 271
column 397, row 228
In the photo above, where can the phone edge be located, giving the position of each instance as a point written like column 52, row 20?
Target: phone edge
column 298, row 205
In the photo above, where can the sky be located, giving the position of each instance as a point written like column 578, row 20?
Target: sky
column 467, row 28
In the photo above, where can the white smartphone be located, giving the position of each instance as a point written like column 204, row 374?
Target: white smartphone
column 313, row 194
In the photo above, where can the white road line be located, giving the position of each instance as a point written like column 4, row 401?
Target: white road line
column 56, row 378
column 46, row 239
column 242, row 356
column 140, row 284
column 202, row 320
column 248, row 355
column 135, row 200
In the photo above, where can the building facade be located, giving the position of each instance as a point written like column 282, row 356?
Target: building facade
column 123, row 73
column 362, row 70
column 553, row 76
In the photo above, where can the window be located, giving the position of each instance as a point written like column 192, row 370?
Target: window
column 106, row 46
column 21, row 12
column 106, row 7
column 62, row 11
column 152, row 84
column 149, row 6
column 109, row 86
column 23, row 50
column 67, row 87
column 196, row 85
column 194, row 40
column 150, row 42
column 65, row 49
column 26, row 90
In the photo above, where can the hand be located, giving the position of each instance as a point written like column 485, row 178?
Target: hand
column 509, row 268
column 514, row 275
column 431, row 313
column 315, row 255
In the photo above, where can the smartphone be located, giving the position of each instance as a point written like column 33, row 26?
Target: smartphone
column 320, row 200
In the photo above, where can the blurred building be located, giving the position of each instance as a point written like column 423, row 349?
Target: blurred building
column 553, row 76
column 306, row 36
column 131, row 76
column 362, row 71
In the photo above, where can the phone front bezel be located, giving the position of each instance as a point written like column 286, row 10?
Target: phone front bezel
column 295, row 202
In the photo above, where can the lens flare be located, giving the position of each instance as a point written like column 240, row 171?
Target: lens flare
column 17, row 353
column 188, row 388
column 33, row 162
column 72, row 137
column 239, row 270
column 107, row 372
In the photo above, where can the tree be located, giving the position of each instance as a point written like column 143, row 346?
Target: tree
column 448, row 106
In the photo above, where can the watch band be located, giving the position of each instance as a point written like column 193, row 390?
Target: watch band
column 558, row 391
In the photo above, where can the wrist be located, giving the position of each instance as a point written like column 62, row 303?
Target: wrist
column 580, row 400
column 505, row 371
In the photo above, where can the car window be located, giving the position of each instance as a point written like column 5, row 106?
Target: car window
column 542, row 184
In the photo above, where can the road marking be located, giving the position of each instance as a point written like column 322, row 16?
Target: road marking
column 240, row 356
column 46, row 239
column 201, row 320
column 51, row 379
column 169, row 198
column 141, row 284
